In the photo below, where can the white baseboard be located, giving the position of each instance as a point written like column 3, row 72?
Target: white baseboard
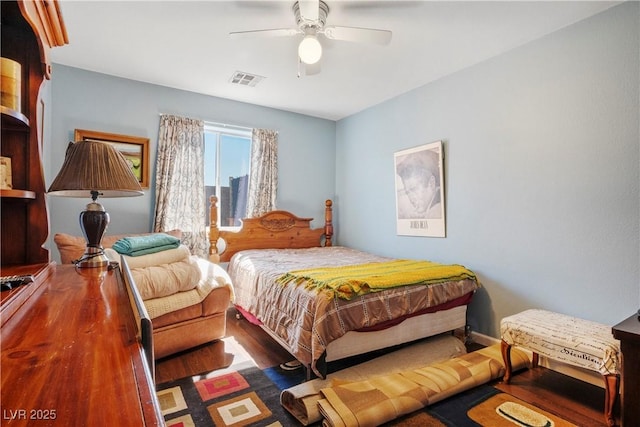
column 581, row 374
column 483, row 339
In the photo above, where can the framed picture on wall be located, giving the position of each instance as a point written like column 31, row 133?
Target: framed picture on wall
column 135, row 150
column 419, row 179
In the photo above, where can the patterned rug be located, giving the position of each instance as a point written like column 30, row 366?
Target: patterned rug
column 504, row 410
column 249, row 398
column 483, row 406
column 245, row 397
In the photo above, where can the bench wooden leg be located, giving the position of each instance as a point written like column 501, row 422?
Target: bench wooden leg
column 612, row 387
column 506, row 357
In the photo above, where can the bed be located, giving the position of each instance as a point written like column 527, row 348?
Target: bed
column 319, row 326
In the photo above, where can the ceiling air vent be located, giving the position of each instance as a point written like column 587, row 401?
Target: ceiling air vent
column 245, row 79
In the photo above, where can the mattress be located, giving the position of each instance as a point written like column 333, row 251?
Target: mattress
column 306, row 321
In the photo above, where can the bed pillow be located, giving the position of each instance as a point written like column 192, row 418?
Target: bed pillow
column 72, row 247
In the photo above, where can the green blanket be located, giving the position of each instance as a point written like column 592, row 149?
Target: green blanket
column 147, row 244
column 348, row 282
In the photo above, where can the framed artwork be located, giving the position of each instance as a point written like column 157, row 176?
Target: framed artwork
column 419, row 176
column 135, row 150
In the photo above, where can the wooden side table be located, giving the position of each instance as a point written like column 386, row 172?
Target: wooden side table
column 628, row 332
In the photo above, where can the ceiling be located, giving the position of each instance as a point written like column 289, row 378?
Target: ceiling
column 186, row 45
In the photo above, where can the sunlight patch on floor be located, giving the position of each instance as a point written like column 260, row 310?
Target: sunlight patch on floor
column 241, row 359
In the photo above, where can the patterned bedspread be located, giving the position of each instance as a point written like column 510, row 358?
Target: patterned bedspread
column 307, row 321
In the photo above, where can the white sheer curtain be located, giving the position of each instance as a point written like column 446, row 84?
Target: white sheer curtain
column 263, row 181
column 180, row 196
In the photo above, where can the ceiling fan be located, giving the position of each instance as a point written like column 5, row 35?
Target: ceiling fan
column 311, row 17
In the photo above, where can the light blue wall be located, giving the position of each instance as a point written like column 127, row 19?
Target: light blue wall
column 541, row 170
column 88, row 100
column 542, row 166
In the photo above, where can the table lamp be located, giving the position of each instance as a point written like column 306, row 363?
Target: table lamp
column 94, row 168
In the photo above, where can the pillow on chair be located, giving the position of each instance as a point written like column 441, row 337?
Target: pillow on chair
column 72, row 247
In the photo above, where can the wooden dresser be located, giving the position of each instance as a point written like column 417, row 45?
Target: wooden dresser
column 72, row 352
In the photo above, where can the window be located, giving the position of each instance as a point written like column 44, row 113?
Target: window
column 227, row 159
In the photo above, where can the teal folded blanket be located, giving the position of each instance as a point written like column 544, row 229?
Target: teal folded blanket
column 147, row 244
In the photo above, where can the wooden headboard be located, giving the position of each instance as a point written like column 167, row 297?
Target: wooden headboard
column 273, row 230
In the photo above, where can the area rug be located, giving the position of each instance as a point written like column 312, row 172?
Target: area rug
column 204, row 398
column 301, row 398
column 487, row 406
column 246, row 397
column 504, row 410
column 381, row 399
column 452, row 412
column 249, row 398
column 348, row 401
column 243, row 395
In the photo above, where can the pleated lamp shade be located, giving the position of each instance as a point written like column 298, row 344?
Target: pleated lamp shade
column 94, row 166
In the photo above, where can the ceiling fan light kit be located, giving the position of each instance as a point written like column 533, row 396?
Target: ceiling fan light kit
column 310, row 49
column 311, row 16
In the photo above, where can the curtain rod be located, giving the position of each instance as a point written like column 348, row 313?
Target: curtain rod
column 209, row 122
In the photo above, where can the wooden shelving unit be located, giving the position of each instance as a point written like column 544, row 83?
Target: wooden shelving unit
column 30, row 28
column 13, row 117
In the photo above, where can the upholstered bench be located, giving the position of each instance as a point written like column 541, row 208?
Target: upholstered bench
column 566, row 339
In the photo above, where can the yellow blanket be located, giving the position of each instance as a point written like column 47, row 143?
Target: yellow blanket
column 348, row 282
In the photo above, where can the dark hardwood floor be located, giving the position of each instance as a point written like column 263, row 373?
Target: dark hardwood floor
column 575, row 401
column 262, row 348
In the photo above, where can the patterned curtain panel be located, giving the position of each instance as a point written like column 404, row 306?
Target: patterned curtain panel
column 263, row 182
column 180, row 198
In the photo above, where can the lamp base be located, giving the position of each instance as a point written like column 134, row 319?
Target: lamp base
column 93, row 222
column 92, row 258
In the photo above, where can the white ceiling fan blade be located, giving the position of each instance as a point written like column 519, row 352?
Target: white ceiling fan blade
column 278, row 32
column 354, row 34
column 309, row 9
